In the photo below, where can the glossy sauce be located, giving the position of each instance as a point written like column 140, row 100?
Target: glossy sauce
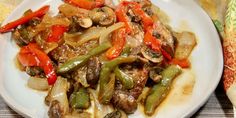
column 180, row 93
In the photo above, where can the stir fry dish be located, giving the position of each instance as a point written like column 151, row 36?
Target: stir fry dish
column 98, row 59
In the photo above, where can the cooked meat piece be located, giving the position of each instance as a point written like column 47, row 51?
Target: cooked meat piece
column 55, row 110
column 140, row 77
column 165, row 36
column 79, row 75
column 64, row 52
column 124, row 101
column 93, row 70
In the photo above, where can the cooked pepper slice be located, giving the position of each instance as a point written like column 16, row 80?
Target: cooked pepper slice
column 80, row 99
column 154, row 43
column 57, row 32
column 81, row 60
column 151, row 41
column 24, row 19
column 99, row 3
column 122, row 17
column 107, row 69
column 137, row 9
column 184, row 63
column 118, row 41
column 86, row 4
column 124, row 78
column 160, row 90
column 31, row 55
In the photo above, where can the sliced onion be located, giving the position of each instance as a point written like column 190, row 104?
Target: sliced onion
column 70, row 10
column 134, row 41
column 186, row 42
column 48, row 21
column 48, row 47
column 90, row 34
column 59, row 93
column 38, row 83
column 105, row 33
column 100, row 110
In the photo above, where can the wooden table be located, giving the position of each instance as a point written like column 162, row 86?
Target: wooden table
column 217, row 106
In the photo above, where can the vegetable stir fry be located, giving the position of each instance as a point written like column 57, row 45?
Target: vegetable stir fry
column 100, row 57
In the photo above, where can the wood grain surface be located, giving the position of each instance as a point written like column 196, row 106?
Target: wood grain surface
column 218, row 106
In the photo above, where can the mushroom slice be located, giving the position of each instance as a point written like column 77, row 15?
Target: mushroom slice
column 151, row 55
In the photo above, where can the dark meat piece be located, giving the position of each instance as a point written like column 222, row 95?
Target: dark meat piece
column 140, row 78
column 64, row 52
column 124, row 101
column 21, row 36
column 93, row 70
column 55, row 110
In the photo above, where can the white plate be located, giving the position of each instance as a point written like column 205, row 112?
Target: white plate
column 206, row 59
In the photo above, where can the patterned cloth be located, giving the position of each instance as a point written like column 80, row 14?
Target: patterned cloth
column 216, row 9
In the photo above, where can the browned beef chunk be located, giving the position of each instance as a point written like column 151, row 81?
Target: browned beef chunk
column 126, row 99
column 93, row 70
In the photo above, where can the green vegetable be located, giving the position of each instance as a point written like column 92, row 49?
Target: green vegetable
column 104, row 78
column 126, row 51
column 160, row 90
column 81, row 60
column 124, row 78
column 80, row 99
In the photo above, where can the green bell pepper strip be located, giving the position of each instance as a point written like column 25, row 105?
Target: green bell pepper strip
column 104, row 77
column 124, row 78
column 160, row 90
column 81, row 60
column 80, row 99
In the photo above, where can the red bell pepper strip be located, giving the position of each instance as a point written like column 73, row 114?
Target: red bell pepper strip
column 137, row 9
column 166, row 55
column 86, row 4
column 122, row 17
column 57, row 32
column 31, row 55
column 184, row 63
column 118, row 42
column 99, row 3
column 24, row 19
column 152, row 41
column 27, row 58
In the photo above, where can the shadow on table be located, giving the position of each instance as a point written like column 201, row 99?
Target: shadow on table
column 218, row 105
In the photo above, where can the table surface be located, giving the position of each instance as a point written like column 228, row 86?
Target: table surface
column 217, row 106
